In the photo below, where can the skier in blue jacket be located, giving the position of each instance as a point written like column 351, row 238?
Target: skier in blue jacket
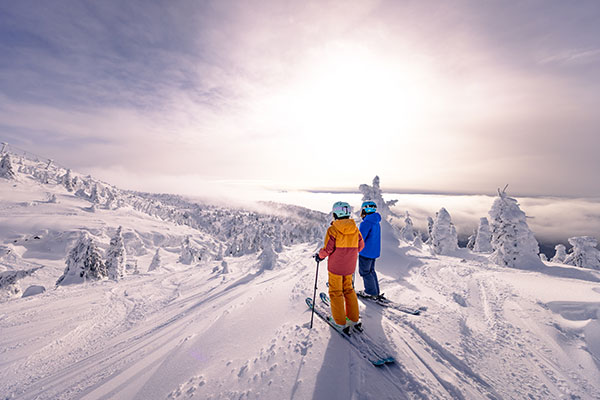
column 371, row 233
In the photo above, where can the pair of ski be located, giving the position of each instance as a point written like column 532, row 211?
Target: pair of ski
column 389, row 304
column 377, row 354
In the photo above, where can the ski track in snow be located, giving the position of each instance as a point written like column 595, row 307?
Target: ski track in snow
column 121, row 342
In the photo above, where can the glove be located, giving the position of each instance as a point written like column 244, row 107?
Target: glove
column 317, row 258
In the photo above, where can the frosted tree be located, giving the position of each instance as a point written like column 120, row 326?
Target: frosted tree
column 67, row 181
column 407, row 233
column 512, row 241
column 156, row 261
column 418, row 242
column 268, row 257
column 115, row 257
column 483, row 240
column 429, row 230
column 225, row 267
column 584, row 253
column 374, row 193
column 277, row 241
column 543, row 257
column 471, row 241
column 6, row 168
column 219, row 255
column 136, row 270
column 444, row 239
column 189, row 252
column 95, row 196
column 560, row 253
column 44, row 177
column 83, row 263
column 110, row 199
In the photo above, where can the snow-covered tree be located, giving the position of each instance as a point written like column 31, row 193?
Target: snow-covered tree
column 560, row 253
column 115, row 257
column 6, row 168
column 277, row 241
column 95, row 196
column 418, row 242
column 44, row 177
column 219, row 255
column 429, row 230
column 512, row 241
column 444, row 239
column 584, row 253
column 225, row 267
column 67, row 181
column 268, row 257
column 110, row 198
column 543, row 257
column 84, row 263
column 136, row 270
column 483, row 240
column 407, row 232
column 374, row 193
column 189, row 252
column 471, row 241
column 156, row 261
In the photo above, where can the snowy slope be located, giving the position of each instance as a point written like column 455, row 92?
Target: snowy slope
column 192, row 331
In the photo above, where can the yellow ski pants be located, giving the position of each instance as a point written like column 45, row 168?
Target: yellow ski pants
column 344, row 302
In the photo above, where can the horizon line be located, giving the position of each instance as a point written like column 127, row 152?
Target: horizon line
column 445, row 193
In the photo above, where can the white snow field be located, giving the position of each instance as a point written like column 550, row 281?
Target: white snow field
column 204, row 331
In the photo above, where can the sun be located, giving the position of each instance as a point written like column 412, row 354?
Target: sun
column 351, row 90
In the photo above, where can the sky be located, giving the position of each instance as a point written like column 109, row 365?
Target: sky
column 181, row 96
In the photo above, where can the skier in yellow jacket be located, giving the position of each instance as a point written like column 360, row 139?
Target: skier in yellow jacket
column 343, row 242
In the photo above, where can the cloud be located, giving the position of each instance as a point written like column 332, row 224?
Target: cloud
column 313, row 94
column 574, row 56
column 551, row 219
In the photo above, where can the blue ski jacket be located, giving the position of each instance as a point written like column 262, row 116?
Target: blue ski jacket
column 371, row 233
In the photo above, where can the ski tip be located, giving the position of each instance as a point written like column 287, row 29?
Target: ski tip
column 309, row 302
column 383, row 361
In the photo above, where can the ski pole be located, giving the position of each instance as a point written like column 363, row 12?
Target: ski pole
column 312, row 315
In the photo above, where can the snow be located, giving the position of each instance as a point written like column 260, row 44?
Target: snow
column 33, row 290
column 230, row 326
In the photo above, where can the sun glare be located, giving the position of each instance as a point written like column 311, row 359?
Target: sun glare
column 351, row 90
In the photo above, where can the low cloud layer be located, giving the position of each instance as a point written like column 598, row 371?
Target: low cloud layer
column 551, row 219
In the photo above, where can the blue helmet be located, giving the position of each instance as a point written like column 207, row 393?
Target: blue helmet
column 341, row 209
column 368, row 207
